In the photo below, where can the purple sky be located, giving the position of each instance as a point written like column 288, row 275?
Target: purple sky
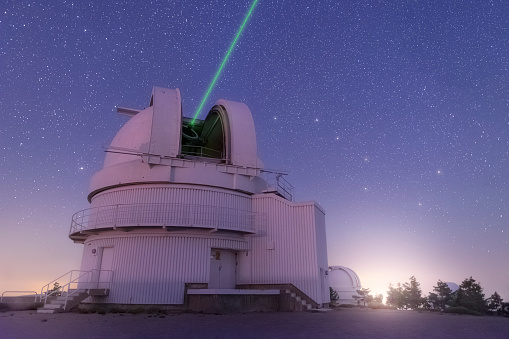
column 394, row 117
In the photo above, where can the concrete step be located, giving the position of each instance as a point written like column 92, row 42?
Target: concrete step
column 49, row 311
column 299, row 300
column 56, row 302
column 320, row 310
column 57, row 305
column 80, row 296
column 53, row 306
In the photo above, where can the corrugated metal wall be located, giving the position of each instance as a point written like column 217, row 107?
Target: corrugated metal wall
column 287, row 249
column 153, row 267
column 321, row 251
column 173, row 193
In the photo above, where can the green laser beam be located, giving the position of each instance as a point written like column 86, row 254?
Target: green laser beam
column 225, row 60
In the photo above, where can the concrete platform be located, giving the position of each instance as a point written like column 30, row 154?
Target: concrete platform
column 233, row 292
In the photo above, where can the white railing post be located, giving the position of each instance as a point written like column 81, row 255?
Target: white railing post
column 115, row 221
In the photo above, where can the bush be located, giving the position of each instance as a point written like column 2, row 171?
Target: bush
column 137, row 310
column 378, row 306
column 461, row 310
column 116, row 309
column 347, row 305
column 153, row 310
column 333, row 295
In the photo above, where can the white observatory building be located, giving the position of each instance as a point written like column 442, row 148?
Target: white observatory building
column 184, row 210
column 345, row 282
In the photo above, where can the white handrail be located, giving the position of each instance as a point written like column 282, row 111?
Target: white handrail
column 85, row 280
column 276, row 180
column 89, row 284
column 45, row 289
column 163, row 214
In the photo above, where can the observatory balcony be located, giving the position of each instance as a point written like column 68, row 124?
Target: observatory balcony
column 277, row 184
column 168, row 216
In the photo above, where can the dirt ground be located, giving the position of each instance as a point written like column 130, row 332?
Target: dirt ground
column 343, row 323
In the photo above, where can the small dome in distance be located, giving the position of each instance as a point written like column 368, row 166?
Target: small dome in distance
column 345, row 282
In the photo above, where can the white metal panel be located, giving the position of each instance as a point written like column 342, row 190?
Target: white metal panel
column 172, row 193
column 106, row 263
column 321, row 249
column 134, row 135
column 176, row 204
column 291, row 228
column 242, row 133
column 153, row 267
column 132, row 170
column 166, row 124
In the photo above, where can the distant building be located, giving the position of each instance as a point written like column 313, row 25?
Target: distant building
column 185, row 208
column 453, row 286
column 346, row 283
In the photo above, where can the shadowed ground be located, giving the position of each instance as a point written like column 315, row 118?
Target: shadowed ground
column 345, row 323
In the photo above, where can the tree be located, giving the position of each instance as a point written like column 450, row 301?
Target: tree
column 495, row 302
column 412, row 294
column 379, row 298
column 357, row 298
column 333, row 295
column 365, row 296
column 443, row 295
column 395, row 297
column 407, row 296
column 470, row 295
column 55, row 289
column 432, row 301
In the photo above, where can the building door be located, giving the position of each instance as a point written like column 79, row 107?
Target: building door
column 222, row 269
column 106, row 263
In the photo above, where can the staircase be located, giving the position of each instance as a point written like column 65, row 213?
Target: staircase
column 72, row 299
column 64, row 303
column 80, row 285
column 302, row 305
column 292, row 298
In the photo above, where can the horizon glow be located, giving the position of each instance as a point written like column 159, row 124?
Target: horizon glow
column 225, row 60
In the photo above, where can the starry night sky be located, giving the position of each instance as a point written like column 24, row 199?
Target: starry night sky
column 393, row 116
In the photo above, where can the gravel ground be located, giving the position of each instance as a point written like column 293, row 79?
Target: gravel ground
column 343, row 323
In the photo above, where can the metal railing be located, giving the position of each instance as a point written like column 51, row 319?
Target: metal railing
column 77, row 280
column 276, row 180
column 192, row 150
column 200, row 151
column 160, row 214
column 2, row 297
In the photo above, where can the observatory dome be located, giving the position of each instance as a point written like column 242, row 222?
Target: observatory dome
column 345, row 282
column 158, row 145
column 133, row 138
column 453, row 286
